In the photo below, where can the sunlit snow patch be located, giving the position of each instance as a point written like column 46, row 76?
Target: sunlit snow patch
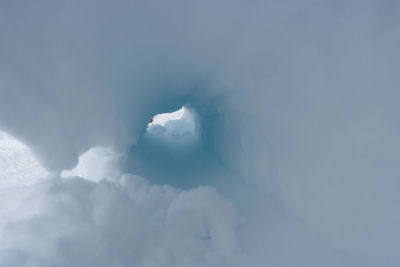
column 178, row 128
column 162, row 118
column 95, row 164
column 18, row 166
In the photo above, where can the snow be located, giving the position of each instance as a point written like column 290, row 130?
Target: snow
column 18, row 166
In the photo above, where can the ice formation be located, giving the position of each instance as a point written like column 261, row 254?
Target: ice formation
column 290, row 158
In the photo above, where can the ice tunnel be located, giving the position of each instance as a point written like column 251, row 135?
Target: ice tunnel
column 199, row 133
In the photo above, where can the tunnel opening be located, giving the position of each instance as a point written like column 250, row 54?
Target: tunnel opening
column 174, row 149
column 176, row 133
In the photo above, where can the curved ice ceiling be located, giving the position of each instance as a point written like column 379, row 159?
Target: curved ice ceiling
column 295, row 159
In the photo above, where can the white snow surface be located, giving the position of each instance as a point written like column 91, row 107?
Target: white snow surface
column 18, row 165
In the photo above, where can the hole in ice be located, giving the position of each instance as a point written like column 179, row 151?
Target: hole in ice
column 171, row 150
column 175, row 129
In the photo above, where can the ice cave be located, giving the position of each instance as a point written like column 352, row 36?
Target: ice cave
column 199, row 133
